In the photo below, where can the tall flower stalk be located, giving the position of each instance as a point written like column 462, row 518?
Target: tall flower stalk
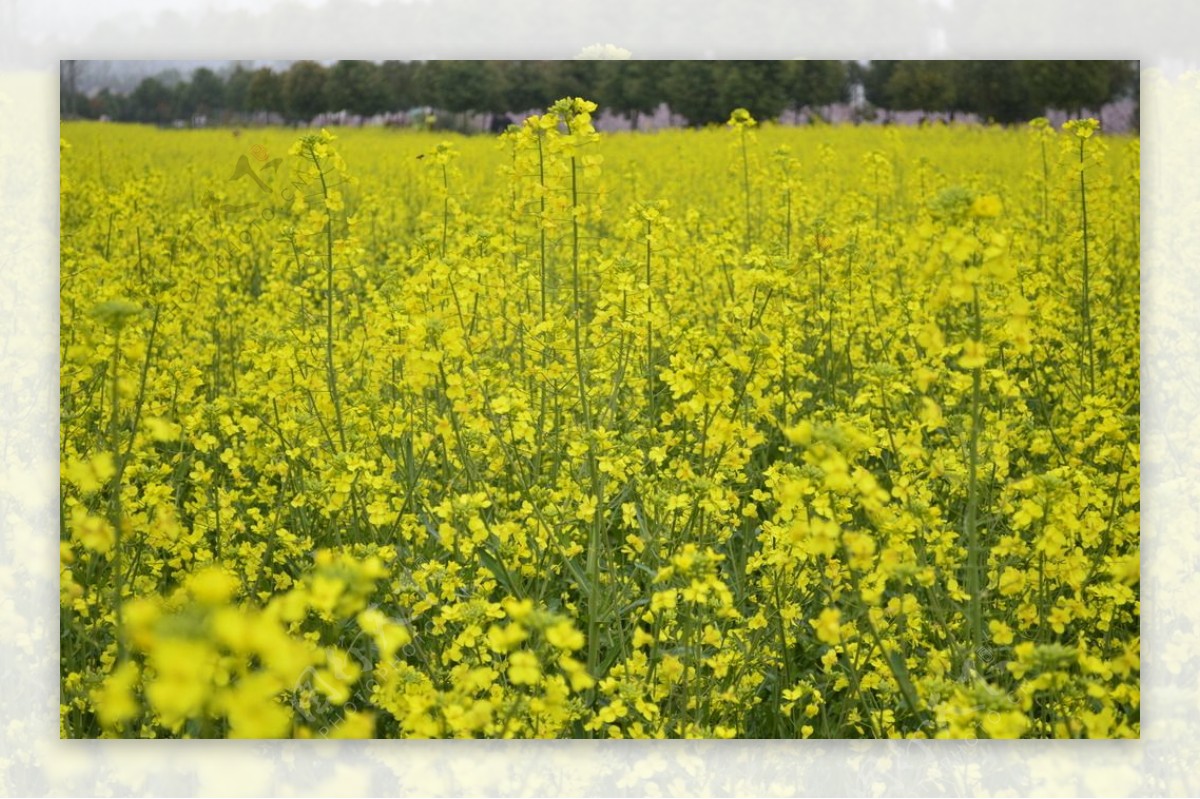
column 741, row 121
column 116, row 314
column 1083, row 130
column 316, row 149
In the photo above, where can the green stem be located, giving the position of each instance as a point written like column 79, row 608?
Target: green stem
column 1087, row 313
column 787, row 241
column 650, row 409
column 330, row 370
column 593, row 551
column 542, row 221
column 1045, row 189
column 974, row 614
column 746, row 184
column 115, row 504
column 445, row 207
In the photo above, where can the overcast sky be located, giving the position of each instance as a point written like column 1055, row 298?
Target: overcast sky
column 73, row 20
column 39, row 32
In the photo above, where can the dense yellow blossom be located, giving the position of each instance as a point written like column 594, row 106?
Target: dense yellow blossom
column 744, row 432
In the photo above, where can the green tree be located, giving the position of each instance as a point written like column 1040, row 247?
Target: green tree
column 1126, row 79
column 424, row 75
column 996, row 90
column 922, row 86
column 757, row 86
column 181, row 101
column 689, row 88
column 574, row 78
column 237, row 89
column 107, row 103
column 874, row 78
column 814, row 84
column 397, row 80
column 355, row 86
column 632, row 88
column 206, row 94
column 265, row 92
column 150, row 102
column 1076, row 85
column 495, row 100
column 524, row 86
column 304, row 90
column 461, row 87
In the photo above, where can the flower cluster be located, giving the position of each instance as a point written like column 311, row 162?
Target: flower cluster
column 742, row 432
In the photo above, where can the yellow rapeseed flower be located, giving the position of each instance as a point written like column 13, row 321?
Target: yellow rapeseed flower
column 828, row 626
column 115, row 701
column 523, row 668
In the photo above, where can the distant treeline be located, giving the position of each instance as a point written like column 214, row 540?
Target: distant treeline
column 702, row 92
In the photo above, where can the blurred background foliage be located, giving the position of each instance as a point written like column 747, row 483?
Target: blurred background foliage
column 696, row 92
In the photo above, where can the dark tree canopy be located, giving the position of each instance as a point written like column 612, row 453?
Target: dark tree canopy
column 357, row 87
column 205, row 94
column 399, row 84
column 812, row 84
column 304, row 90
column 150, row 102
column 632, row 88
column 690, row 92
column 265, row 92
column 701, row 92
column 921, row 86
column 237, row 89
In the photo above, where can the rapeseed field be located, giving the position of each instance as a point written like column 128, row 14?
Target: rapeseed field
column 751, row 431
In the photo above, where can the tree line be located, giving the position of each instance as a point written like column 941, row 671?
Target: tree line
column 701, row 92
column 1004, row 91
